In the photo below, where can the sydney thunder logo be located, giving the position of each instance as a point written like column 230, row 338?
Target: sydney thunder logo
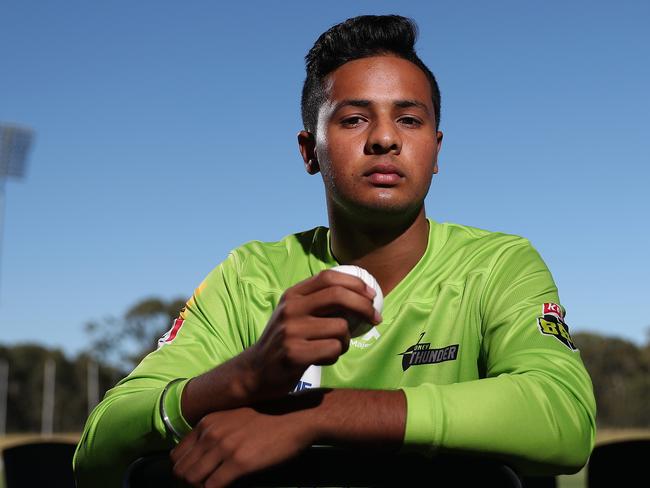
column 421, row 353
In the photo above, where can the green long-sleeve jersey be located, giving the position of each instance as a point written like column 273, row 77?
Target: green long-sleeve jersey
column 474, row 335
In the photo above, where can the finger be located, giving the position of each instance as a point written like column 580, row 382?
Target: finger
column 328, row 278
column 328, row 351
column 183, row 465
column 184, row 446
column 337, row 301
column 325, row 328
column 318, row 328
column 228, row 472
column 319, row 352
column 189, row 451
column 208, row 462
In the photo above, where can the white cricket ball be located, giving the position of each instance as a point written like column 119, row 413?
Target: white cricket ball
column 358, row 326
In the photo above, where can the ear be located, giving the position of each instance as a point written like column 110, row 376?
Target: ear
column 438, row 147
column 307, row 146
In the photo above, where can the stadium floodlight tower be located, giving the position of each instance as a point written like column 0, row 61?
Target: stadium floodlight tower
column 15, row 142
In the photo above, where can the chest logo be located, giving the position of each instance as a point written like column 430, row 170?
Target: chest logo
column 422, row 353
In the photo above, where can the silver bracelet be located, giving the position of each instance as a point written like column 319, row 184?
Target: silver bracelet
column 163, row 413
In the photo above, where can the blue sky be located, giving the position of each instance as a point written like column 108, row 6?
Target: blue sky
column 166, row 136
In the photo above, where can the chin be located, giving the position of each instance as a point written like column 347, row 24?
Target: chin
column 387, row 202
column 388, row 209
column 377, row 206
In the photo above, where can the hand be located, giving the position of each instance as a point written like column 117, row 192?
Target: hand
column 227, row 445
column 307, row 327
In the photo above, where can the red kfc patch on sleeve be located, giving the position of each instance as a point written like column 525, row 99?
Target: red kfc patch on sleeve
column 553, row 309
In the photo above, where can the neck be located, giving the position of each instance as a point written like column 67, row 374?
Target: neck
column 388, row 249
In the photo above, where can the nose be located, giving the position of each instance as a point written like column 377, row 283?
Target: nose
column 383, row 137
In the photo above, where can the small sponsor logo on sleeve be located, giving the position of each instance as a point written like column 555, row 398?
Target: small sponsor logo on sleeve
column 552, row 323
column 170, row 335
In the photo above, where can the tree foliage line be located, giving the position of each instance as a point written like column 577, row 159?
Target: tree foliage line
column 620, row 370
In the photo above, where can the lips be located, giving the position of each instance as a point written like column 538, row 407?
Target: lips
column 384, row 174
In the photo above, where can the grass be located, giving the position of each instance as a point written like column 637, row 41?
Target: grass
column 577, row 480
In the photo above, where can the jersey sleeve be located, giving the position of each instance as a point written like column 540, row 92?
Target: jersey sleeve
column 127, row 424
column 534, row 407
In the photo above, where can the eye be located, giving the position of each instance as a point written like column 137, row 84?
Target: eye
column 410, row 121
column 352, row 121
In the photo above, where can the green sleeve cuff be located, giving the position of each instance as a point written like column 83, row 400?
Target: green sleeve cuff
column 172, row 407
column 424, row 418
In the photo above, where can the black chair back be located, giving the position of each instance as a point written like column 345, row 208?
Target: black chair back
column 321, row 466
column 621, row 463
column 39, row 464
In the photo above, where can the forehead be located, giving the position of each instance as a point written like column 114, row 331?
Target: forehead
column 379, row 78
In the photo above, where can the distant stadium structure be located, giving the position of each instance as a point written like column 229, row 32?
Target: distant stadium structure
column 15, row 143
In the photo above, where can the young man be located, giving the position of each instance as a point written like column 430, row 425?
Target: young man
column 471, row 352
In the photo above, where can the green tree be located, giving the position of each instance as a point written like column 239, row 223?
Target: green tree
column 620, row 372
column 125, row 341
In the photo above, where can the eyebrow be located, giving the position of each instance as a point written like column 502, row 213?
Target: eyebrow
column 412, row 103
column 367, row 103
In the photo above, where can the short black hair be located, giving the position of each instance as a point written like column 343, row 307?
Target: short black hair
column 356, row 38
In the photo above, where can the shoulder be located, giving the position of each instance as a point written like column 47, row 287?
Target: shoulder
column 480, row 245
column 278, row 264
column 511, row 268
column 468, row 234
column 293, row 244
